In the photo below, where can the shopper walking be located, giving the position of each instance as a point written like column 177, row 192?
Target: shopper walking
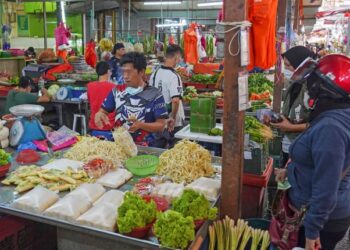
column 319, row 171
column 294, row 111
column 169, row 82
column 140, row 108
column 114, row 63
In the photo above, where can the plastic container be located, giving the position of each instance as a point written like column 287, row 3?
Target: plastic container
column 161, row 203
column 140, row 232
column 259, row 180
column 4, row 169
column 77, row 91
column 142, row 165
column 10, row 120
column 27, row 156
column 4, row 90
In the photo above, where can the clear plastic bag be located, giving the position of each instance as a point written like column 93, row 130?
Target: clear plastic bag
column 103, row 217
column 115, row 179
column 37, row 200
column 123, row 138
column 69, row 208
column 210, row 188
column 112, row 197
column 90, row 191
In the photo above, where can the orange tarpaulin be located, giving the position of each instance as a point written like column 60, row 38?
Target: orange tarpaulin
column 262, row 15
column 190, row 45
column 58, row 69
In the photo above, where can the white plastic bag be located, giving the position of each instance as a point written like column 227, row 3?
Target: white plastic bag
column 69, row 208
column 103, row 217
column 168, row 190
column 37, row 200
column 115, row 179
column 112, row 197
column 90, row 191
column 210, row 188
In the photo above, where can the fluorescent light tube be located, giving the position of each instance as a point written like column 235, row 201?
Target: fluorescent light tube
column 162, row 3
column 182, row 23
column 207, row 4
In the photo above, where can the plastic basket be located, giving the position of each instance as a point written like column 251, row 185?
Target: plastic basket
column 142, row 165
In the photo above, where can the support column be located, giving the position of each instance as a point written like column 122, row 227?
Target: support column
column 45, row 26
column 281, row 21
column 233, row 142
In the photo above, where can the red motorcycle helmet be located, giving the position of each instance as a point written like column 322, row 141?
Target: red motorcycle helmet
column 335, row 69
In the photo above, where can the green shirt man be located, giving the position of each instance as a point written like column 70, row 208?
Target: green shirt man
column 22, row 95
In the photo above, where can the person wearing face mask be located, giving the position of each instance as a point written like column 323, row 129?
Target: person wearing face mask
column 295, row 113
column 319, row 170
column 169, row 82
column 140, row 108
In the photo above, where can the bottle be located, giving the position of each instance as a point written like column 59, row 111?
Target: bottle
column 41, row 85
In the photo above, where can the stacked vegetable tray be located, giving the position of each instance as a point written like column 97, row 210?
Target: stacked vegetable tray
column 91, row 192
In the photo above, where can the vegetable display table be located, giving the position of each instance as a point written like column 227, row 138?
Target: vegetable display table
column 77, row 236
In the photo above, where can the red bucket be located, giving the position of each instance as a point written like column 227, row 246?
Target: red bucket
column 4, row 169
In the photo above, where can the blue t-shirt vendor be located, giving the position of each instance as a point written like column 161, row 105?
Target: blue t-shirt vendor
column 141, row 108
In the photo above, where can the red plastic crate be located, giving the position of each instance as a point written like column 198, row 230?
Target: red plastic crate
column 259, row 180
column 4, row 90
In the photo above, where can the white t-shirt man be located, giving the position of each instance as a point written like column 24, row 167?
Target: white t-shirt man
column 169, row 82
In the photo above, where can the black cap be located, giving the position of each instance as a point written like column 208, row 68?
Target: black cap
column 117, row 46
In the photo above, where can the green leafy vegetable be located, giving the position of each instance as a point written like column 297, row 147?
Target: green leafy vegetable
column 258, row 83
column 4, row 157
column 257, row 131
column 194, row 204
column 205, row 79
column 174, row 230
column 135, row 212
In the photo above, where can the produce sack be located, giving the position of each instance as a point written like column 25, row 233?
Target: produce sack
column 89, row 191
column 112, row 197
column 69, row 208
column 37, row 200
column 102, row 217
column 128, row 145
column 90, row 54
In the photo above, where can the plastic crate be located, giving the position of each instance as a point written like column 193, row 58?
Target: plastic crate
column 259, row 180
column 4, row 90
column 258, row 162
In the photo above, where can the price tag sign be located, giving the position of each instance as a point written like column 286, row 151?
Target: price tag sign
column 243, row 93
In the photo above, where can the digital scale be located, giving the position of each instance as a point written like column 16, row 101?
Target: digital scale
column 27, row 127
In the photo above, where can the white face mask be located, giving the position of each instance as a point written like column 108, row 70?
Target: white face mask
column 133, row 91
column 288, row 74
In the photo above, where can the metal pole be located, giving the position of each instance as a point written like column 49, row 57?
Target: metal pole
column 281, row 21
column 129, row 17
column 92, row 20
column 233, row 142
column 84, row 32
column 45, row 27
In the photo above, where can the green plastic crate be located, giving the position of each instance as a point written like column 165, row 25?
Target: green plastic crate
column 202, row 118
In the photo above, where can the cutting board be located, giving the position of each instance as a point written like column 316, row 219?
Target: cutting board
column 63, row 164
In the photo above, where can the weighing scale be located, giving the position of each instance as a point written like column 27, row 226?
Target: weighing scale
column 27, row 127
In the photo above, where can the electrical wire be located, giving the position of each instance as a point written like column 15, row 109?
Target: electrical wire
column 236, row 25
